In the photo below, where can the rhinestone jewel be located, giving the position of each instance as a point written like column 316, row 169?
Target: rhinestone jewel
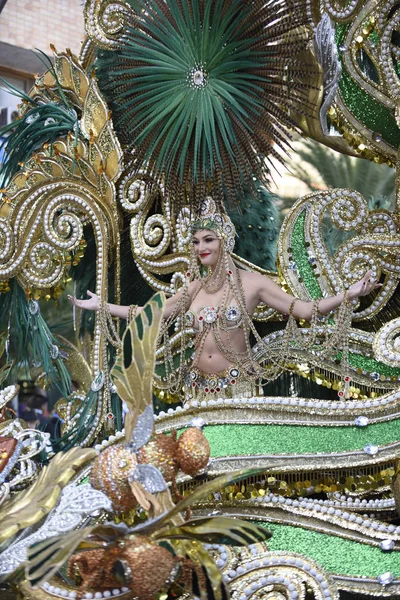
column 385, row 578
column 377, row 137
column 375, row 376
column 211, row 316
column 98, row 382
column 371, row 449
column 31, row 118
column 232, row 314
column 361, row 421
column 197, row 422
column 386, row 545
column 199, row 78
column 54, row 351
column 33, row 307
column 189, row 319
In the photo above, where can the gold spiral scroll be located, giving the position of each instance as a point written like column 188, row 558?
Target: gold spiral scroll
column 383, row 21
column 363, row 34
column 60, row 189
column 158, row 240
column 44, row 220
column 375, row 245
column 44, row 225
column 105, row 21
column 276, row 575
column 386, row 344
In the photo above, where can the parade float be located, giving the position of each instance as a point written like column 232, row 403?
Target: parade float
column 291, row 492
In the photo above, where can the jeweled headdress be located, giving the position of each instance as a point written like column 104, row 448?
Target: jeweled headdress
column 211, row 218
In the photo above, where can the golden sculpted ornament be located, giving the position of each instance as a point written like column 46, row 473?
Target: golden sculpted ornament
column 119, row 163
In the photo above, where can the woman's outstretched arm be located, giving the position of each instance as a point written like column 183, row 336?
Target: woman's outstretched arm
column 93, row 303
column 270, row 293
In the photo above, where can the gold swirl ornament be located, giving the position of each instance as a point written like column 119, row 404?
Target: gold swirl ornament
column 364, row 30
column 105, row 21
column 373, row 246
column 158, row 240
column 386, row 344
column 61, row 188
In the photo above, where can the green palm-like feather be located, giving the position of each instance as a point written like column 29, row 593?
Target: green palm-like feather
column 43, row 123
column 40, row 123
column 202, row 89
column 133, row 370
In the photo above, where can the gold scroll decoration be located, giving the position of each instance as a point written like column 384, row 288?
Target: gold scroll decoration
column 61, row 189
column 158, row 241
column 105, row 21
column 370, row 25
column 374, row 246
column 386, row 344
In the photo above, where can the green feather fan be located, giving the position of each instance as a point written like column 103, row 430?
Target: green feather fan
column 202, row 90
column 31, row 343
column 257, row 225
column 41, row 123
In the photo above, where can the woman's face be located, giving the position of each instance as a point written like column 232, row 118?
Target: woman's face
column 206, row 246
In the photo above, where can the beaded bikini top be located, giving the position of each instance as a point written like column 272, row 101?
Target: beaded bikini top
column 228, row 318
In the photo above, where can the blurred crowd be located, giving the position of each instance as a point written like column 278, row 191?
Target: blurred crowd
column 34, row 408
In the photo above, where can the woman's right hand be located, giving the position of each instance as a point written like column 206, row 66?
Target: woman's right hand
column 92, row 303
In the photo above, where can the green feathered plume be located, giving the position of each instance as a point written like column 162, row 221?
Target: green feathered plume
column 257, row 225
column 31, row 343
column 202, row 90
column 41, row 123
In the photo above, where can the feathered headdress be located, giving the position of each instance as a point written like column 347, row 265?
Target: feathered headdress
column 202, row 91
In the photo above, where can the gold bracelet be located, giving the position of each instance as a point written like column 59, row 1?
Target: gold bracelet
column 132, row 312
column 292, row 306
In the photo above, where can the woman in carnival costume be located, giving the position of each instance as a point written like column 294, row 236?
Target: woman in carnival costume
column 218, row 307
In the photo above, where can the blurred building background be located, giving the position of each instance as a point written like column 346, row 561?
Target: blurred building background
column 29, row 24
column 26, row 25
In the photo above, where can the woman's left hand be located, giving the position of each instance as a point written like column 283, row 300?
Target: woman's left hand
column 363, row 287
